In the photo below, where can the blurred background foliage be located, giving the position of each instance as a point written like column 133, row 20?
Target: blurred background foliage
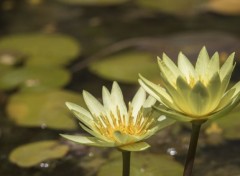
column 50, row 50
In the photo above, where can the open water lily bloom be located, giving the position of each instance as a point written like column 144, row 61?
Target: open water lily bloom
column 193, row 93
column 112, row 124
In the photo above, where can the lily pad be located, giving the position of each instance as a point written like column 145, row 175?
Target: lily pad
column 227, row 7
column 144, row 165
column 34, row 153
column 42, row 49
column 34, row 78
column 125, row 67
column 43, row 109
column 169, row 6
column 94, row 2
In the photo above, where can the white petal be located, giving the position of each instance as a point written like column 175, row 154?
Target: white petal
column 186, row 67
column 117, row 98
column 150, row 101
column 93, row 104
column 74, row 107
column 138, row 101
column 91, row 141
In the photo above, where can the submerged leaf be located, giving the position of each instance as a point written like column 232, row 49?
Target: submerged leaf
column 43, row 109
column 34, row 153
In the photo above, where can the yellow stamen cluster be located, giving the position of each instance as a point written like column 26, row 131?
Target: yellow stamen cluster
column 125, row 124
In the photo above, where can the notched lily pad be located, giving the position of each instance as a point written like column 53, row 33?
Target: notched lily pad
column 143, row 165
column 93, row 2
column 43, row 109
column 34, row 78
column 42, row 49
column 31, row 154
column 126, row 66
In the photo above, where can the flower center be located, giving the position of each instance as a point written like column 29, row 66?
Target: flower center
column 125, row 124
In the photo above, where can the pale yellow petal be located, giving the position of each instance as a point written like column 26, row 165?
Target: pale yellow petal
column 134, row 147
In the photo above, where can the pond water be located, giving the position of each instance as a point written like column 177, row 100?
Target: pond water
column 89, row 46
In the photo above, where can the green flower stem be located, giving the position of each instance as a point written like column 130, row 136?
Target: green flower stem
column 126, row 157
column 196, row 126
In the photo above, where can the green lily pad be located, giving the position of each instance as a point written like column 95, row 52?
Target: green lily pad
column 34, row 153
column 93, row 2
column 34, row 78
column 43, row 109
column 42, row 49
column 230, row 124
column 144, row 165
column 169, row 6
column 125, row 67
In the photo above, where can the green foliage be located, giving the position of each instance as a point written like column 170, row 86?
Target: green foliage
column 42, row 49
column 125, row 67
column 34, row 153
column 43, row 109
column 143, row 165
column 34, row 78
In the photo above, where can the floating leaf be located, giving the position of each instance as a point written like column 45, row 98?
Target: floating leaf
column 227, row 7
column 43, row 109
column 42, row 49
column 125, row 67
column 34, row 153
column 94, row 2
column 169, row 6
column 34, row 78
column 144, row 165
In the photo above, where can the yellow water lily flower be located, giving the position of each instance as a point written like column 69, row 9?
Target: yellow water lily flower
column 193, row 93
column 111, row 124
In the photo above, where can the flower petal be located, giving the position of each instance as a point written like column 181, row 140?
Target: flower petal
column 134, row 147
column 202, row 62
column 94, row 132
column 82, row 114
column 186, row 67
column 95, row 107
column 157, row 92
column 91, row 141
column 150, row 101
column 117, row 98
column 229, row 96
column 227, row 66
column 138, row 101
column 213, row 66
column 199, row 99
column 226, row 109
column 123, row 138
column 215, row 93
column 174, row 115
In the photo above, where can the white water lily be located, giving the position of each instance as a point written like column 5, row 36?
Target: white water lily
column 111, row 124
column 193, row 93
